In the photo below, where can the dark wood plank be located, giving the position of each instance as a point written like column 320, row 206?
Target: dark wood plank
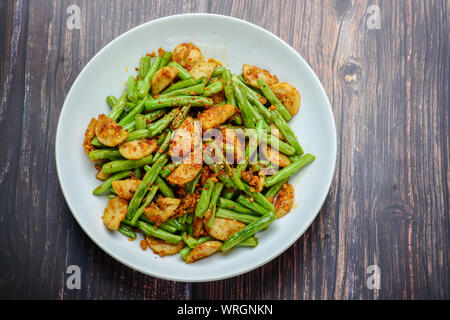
column 389, row 202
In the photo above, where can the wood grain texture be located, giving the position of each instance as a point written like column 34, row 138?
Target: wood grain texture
column 389, row 201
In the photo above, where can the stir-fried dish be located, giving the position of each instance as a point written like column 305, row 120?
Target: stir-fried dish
column 194, row 157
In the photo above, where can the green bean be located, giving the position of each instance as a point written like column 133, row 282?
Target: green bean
column 119, row 107
column 228, row 87
column 138, row 134
column 289, row 170
column 144, row 66
column 194, row 90
column 148, row 199
column 252, row 205
column 151, row 231
column 164, row 188
column 127, row 231
column 247, row 232
column 137, row 173
column 148, row 179
column 178, row 101
column 273, row 99
column 104, row 154
column 273, row 190
column 249, row 242
column 231, row 205
column 259, row 198
column 189, row 223
column 140, row 122
column 163, row 147
column 131, row 89
column 130, row 106
column 183, row 84
column 168, row 169
column 287, row 131
column 111, row 100
column 137, row 110
column 229, row 214
column 218, row 72
column 165, row 58
column 189, row 240
column 121, row 165
column 184, row 252
column 213, row 88
column 191, row 185
column 228, row 193
column 112, row 196
column 277, row 144
column 213, row 202
column 145, row 85
column 176, row 123
column 108, row 182
column 243, row 106
column 183, row 74
column 163, row 123
column 175, row 224
column 205, row 197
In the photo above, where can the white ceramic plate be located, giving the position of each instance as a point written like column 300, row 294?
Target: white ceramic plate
column 233, row 42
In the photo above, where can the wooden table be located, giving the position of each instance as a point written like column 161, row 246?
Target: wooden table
column 386, row 71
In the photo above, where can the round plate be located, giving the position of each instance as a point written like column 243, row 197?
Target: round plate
column 233, row 42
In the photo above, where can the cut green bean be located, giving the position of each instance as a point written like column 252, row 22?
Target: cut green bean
column 184, row 252
column 111, row 100
column 145, row 85
column 164, row 188
column 148, row 199
column 213, row 88
column 218, row 187
column 273, row 190
column 287, row 131
column 249, row 242
column 257, row 225
column 165, row 58
column 140, row 122
column 183, row 84
column 100, row 154
column 121, row 165
column 189, row 240
column 137, row 110
column 194, row 90
column 183, row 74
column 273, row 99
column 144, row 66
column 166, row 102
column 234, row 206
column 252, row 205
column 131, row 89
column 191, row 185
column 127, row 231
column 289, row 170
column 108, row 182
column 148, row 179
column 229, row 214
column 176, row 123
column 205, row 197
column 151, row 231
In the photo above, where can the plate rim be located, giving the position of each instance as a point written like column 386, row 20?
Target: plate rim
column 244, row 269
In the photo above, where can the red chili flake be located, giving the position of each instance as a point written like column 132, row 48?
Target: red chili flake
column 137, row 69
column 160, row 102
